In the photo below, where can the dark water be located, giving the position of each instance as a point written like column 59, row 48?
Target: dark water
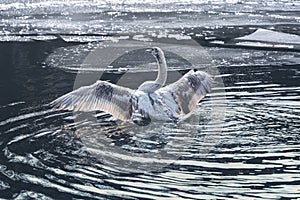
column 46, row 154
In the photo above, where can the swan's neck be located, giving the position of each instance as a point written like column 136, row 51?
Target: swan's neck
column 162, row 68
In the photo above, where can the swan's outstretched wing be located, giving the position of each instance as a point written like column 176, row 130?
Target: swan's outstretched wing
column 188, row 90
column 102, row 95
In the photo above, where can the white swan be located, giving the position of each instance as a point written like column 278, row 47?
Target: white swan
column 151, row 101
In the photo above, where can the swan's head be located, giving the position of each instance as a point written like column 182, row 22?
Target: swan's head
column 157, row 53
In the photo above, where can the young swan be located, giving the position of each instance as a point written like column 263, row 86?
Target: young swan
column 152, row 100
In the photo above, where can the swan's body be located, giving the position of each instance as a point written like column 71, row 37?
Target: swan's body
column 150, row 101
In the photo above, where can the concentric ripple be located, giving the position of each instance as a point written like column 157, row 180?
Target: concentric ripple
column 47, row 154
column 54, row 153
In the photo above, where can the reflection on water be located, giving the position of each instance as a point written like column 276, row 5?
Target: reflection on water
column 97, row 18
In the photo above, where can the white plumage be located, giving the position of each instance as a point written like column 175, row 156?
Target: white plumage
column 150, row 101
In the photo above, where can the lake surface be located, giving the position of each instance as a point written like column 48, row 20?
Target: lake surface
column 242, row 142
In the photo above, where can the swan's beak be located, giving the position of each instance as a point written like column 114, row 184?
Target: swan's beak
column 148, row 50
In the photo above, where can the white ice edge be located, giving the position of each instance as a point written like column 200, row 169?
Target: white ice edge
column 270, row 36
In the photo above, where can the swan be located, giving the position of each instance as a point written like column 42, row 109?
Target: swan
column 151, row 101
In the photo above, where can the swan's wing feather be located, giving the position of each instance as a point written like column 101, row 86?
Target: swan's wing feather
column 189, row 90
column 102, row 95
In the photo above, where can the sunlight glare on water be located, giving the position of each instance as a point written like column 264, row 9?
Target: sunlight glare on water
column 48, row 154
